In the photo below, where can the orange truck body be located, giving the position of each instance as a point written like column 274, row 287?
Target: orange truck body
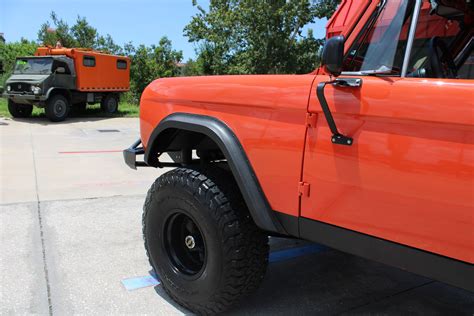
column 104, row 77
column 408, row 177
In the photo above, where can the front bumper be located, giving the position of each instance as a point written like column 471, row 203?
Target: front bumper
column 130, row 155
column 19, row 97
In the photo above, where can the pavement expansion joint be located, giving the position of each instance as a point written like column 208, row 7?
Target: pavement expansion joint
column 40, row 222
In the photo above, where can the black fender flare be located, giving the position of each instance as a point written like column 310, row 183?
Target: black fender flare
column 260, row 210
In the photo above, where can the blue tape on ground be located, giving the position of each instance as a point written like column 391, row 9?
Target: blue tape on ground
column 139, row 282
column 153, row 274
column 287, row 254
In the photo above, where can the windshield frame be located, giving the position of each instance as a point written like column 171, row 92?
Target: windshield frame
column 44, row 67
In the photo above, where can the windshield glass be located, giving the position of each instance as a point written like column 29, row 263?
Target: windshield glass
column 382, row 44
column 33, row 65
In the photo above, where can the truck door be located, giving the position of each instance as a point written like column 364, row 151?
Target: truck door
column 407, row 176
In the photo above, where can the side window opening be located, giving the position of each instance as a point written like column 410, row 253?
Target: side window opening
column 428, row 27
column 121, row 64
column 466, row 70
column 58, row 63
column 88, row 61
column 381, row 45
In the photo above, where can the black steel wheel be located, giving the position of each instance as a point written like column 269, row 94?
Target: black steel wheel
column 201, row 240
column 19, row 110
column 185, row 244
column 109, row 104
column 57, row 108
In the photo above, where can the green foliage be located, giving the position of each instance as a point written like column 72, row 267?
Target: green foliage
column 84, row 34
column 246, row 36
column 10, row 51
column 191, row 68
column 325, row 8
column 151, row 62
column 49, row 35
column 107, row 44
column 81, row 34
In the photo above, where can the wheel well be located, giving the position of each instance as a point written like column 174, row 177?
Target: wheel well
column 63, row 92
column 213, row 140
column 183, row 144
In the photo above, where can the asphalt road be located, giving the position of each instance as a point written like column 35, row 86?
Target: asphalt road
column 70, row 219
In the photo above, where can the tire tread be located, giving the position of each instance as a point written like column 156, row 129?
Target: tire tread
column 244, row 244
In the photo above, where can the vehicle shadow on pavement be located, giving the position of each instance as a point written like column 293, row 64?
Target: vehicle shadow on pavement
column 332, row 282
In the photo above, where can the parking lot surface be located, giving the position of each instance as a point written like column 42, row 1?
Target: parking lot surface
column 71, row 233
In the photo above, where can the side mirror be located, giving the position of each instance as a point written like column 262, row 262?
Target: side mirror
column 60, row 70
column 333, row 54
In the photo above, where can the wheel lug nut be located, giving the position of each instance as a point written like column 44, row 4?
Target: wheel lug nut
column 189, row 242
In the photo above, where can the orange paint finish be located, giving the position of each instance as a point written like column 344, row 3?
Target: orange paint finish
column 357, row 25
column 267, row 114
column 408, row 176
column 105, row 76
column 346, row 16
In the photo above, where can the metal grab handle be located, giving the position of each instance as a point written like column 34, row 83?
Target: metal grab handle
column 348, row 82
column 337, row 137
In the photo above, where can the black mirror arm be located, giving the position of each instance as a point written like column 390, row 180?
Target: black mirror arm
column 337, row 138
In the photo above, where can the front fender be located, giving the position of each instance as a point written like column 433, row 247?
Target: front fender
column 230, row 146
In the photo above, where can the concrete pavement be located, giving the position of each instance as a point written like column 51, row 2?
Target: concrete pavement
column 70, row 219
column 72, row 159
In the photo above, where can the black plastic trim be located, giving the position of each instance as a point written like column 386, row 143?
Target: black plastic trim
column 238, row 162
column 289, row 222
column 130, row 155
column 431, row 265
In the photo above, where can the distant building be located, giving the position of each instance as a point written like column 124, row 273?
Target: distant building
column 2, row 38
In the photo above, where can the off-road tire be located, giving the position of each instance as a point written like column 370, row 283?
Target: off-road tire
column 236, row 249
column 19, row 110
column 109, row 104
column 57, row 108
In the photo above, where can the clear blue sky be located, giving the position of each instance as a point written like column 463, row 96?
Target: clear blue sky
column 139, row 21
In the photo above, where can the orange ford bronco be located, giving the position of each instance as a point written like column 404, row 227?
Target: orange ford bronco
column 371, row 154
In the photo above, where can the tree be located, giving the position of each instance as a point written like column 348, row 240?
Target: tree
column 151, row 62
column 191, row 68
column 10, row 51
column 246, row 36
column 49, row 35
column 81, row 34
column 107, row 44
column 84, row 34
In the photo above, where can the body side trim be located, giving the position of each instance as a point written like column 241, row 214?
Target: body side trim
column 431, row 265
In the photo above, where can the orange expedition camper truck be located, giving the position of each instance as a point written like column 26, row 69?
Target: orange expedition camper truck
column 60, row 78
column 372, row 154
